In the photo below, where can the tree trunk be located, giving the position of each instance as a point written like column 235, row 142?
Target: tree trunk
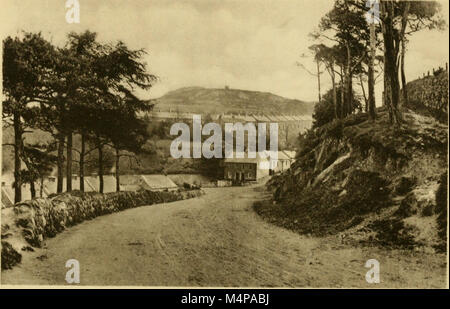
column 371, row 76
column 345, row 103
column 100, row 168
column 390, row 56
column 402, row 36
column 371, row 98
column 342, row 111
column 41, row 187
column 366, row 101
column 81, row 163
column 387, row 93
column 287, row 136
column 69, row 163
column 351, row 107
column 17, row 154
column 32, row 189
column 318, row 79
column 394, row 88
column 117, row 170
column 343, row 97
column 402, row 73
column 60, row 163
column 333, row 82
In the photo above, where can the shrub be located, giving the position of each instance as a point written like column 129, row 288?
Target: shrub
column 393, row 233
column 441, row 210
column 367, row 192
column 334, row 129
column 404, row 185
column 324, row 110
column 320, row 210
column 10, row 257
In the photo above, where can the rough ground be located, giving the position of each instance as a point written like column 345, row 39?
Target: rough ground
column 215, row 240
column 373, row 182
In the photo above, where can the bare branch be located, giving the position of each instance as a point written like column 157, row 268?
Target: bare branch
column 304, row 68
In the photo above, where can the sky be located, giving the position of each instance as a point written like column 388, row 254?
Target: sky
column 244, row 44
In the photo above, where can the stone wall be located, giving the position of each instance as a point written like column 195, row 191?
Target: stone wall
column 430, row 94
column 29, row 223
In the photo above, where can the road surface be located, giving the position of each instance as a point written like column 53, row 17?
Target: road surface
column 215, row 240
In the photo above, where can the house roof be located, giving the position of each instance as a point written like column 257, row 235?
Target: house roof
column 146, row 182
column 186, row 116
column 245, row 159
column 179, row 179
column 290, row 153
column 127, row 182
column 283, row 156
column 261, row 118
column 242, row 160
column 247, row 118
column 289, row 117
column 164, row 115
column 7, row 189
column 159, row 182
column 50, row 187
column 283, row 118
column 109, row 183
column 8, row 193
column 305, row 117
column 7, row 198
column 133, row 182
column 270, row 118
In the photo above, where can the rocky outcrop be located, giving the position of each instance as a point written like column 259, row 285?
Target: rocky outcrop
column 362, row 176
column 29, row 223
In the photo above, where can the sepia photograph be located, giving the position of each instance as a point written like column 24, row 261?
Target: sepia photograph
column 238, row 144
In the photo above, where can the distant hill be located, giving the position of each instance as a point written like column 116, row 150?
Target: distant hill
column 206, row 100
column 192, row 100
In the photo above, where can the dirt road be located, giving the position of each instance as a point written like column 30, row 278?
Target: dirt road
column 215, row 240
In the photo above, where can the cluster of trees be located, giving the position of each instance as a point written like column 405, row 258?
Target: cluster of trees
column 359, row 40
column 324, row 111
column 83, row 89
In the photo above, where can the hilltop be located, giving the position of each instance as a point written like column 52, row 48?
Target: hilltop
column 226, row 100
